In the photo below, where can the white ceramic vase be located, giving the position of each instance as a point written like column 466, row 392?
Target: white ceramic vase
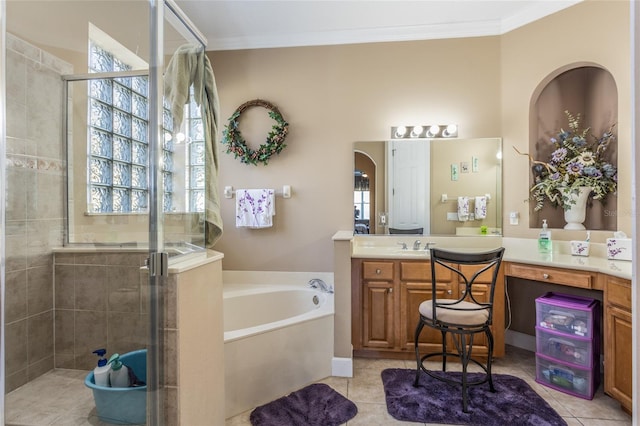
column 575, row 212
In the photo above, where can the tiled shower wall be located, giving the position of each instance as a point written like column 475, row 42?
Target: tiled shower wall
column 34, row 211
column 100, row 302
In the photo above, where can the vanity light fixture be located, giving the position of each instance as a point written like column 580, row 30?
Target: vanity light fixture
column 427, row 131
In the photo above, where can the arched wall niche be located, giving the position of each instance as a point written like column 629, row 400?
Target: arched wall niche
column 588, row 89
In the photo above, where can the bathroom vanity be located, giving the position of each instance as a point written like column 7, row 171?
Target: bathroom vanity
column 389, row 283
column 386, row 294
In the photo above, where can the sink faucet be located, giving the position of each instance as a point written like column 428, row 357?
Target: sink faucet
column 404, row 246
column 428, row 245
column 416, row 244
column 320, row 285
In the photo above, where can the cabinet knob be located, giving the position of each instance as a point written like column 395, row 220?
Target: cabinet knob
column 378, row 271
column 545, row 276
column 449, row 291
column 389, row 290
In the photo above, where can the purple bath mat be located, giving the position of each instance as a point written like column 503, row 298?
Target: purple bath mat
column 314, row 405
column 435, row 401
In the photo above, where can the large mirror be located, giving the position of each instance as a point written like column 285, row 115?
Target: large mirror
column 428, row 187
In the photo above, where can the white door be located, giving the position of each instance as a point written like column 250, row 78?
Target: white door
column 408, row 184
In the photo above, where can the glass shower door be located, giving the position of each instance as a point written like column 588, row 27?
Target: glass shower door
column 83, row 212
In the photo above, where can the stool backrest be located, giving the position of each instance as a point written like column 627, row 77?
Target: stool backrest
column 487, row 262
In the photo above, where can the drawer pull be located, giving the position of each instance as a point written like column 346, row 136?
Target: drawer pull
column 545, row 276
column 378, row 271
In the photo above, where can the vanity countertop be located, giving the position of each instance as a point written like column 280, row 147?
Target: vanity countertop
column 517, row 250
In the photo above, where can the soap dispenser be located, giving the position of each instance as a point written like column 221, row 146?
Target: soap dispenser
column 102, row 370
column 544, row 239
column 119, row 375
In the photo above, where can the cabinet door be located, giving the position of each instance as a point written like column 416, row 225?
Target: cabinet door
column 618, row 355
column 378, row 314
column 412, row 294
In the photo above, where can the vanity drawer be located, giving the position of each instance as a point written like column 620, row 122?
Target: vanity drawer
column 421, row 271
column 568, row 277
column 377, row 271
column 618, row 292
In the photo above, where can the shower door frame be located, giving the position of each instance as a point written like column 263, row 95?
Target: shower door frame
column 161, row 11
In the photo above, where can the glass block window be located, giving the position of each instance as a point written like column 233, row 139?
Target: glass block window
column 119, row 140
column 195, row 171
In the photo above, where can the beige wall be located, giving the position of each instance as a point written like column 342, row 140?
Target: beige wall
column 333, row 96
column 336, row 95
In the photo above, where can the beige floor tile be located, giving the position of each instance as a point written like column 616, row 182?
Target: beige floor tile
column 40, row 401
column 375, row 415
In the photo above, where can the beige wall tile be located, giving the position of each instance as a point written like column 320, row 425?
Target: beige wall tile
column 40, row 338
column 15, row 296
column 39, row 290
column 64, row 286
column 91, row 288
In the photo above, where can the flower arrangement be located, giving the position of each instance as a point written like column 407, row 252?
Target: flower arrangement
column 274, row 144
column 579, row 159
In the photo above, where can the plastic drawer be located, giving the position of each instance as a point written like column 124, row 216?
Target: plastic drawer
column 570, row 349
column 572, row 315
column 570, row 379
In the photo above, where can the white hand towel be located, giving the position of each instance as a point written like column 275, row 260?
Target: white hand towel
column 481, row 207
column 255, row 208
column 463, row 209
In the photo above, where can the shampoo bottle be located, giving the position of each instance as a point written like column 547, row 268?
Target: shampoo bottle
column 119, row 375
column 102, row 370
column 544, row 239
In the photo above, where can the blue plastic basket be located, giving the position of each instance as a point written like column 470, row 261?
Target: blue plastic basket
column 123, row 406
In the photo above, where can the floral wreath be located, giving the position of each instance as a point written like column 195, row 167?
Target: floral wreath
column 274, row 144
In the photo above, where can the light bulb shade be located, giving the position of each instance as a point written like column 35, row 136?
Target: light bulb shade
column 416, row 131
column 400, row 131
column 450, row 131
column 433, row 130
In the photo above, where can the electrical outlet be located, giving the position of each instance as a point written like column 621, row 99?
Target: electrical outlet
column 452, row 216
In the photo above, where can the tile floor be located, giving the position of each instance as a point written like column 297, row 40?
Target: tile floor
column 366, row 391
column 60, row 397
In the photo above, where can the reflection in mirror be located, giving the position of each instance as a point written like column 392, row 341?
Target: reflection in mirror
column 428, row 186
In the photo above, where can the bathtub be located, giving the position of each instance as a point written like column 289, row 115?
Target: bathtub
column 278, row 336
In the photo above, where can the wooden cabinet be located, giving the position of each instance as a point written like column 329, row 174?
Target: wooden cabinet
column 618, row 341
column 568, row 277
column 617, row 328
column 386, row 295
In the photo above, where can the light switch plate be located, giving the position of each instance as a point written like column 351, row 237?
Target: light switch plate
column 514, row 218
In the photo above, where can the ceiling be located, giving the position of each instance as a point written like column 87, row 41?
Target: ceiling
column 252, row 24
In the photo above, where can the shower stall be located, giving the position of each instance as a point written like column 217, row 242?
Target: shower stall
column 102, row 187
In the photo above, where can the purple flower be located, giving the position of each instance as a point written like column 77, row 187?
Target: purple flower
column 555, row 176
column 574, row 168
column 558, row 155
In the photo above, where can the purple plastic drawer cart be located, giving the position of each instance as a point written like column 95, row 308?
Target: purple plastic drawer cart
column 568, row 343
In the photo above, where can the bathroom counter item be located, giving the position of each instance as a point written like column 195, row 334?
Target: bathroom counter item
column 123, row 406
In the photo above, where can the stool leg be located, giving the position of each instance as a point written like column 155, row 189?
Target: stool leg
column 490, row 358
column 444, row 350
column 417, row 349
column 464, row 359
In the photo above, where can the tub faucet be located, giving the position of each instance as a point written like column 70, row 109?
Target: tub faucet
column 317, row 283
column 416, row 245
